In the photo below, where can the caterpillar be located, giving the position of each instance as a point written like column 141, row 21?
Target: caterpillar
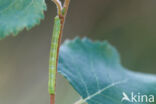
column 53, row 55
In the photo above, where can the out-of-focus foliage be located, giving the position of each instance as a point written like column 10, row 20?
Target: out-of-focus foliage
column 15, row 15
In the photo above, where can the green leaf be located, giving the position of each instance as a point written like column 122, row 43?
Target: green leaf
column 15, row 15
column 95, row 72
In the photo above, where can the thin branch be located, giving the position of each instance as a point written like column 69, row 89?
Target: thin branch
column 52, row 99
column 65, row 6
column 62, row 18
column 59, row 6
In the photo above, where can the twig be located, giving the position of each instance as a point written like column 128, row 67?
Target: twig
column 52, row 99
column 62, row 17
column 59, row 6
column 65, row 6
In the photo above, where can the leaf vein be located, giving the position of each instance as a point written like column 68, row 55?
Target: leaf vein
column 100, row 91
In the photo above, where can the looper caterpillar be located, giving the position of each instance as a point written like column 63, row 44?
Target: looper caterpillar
column 53, row 55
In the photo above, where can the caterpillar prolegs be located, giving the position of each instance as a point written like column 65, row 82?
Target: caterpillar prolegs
column 53, row 55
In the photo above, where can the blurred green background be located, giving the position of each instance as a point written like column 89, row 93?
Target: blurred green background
column 129, row 25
